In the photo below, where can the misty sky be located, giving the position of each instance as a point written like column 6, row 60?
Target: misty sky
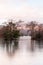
column 21, row 9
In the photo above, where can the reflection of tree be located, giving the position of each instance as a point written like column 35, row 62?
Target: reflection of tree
column 36, row 44
column 11, row 46
column 16, row 42
column 32, row 45
column 40, row 44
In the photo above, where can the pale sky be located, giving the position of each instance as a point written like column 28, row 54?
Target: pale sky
column 27, row 10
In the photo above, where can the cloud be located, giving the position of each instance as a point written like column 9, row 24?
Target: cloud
column 11, row 1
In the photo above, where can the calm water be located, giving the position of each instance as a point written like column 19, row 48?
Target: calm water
column 27, row 52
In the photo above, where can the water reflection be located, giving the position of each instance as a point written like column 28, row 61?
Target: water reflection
column 32, row 45
column 22, row 51
column 39, row 44
column 36, row 44
column 10, row 45
column 22, row 43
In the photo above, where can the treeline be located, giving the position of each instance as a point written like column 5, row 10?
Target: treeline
column 10, row 31
column 36, row 31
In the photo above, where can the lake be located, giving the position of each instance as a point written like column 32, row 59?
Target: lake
column 26, row 52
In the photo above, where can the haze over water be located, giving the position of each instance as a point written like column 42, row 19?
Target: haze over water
column 28, row 52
